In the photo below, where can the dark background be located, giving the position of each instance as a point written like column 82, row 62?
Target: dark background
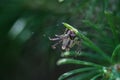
column 25, row 25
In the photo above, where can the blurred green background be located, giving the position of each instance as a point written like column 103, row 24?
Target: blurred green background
column 25, row 25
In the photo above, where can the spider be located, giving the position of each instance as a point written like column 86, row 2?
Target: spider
column 68, row 40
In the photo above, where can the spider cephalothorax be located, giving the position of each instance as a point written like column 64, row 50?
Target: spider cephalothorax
column 68, row 39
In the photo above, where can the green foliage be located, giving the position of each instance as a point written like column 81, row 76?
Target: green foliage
column 116, row 54
column 76, row 71
column 111, row 22
column 25, row 50
column 87, row 41
column 109, row 71
column 72, row 61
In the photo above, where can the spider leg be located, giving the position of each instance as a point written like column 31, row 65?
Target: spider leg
column 65, row 31
column 54, row 39
column 78, row 50
column 54, row 46
column 57, row 35
column 65, row 43
column 71, row 44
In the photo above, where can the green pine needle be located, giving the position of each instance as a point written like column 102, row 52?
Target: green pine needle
column 110, row 19
column 88, row 42
column 76, row 71
column 96, row 76
column 115, row 53
column 79, row 62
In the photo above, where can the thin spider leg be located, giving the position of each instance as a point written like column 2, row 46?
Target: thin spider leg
column 78, row 47
column 60, row 36
column 54, row 39
column 54, row 46
column 65, row 43
column 57, row 35
column 65, row 31
column 68, row 33
column 71, row 44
